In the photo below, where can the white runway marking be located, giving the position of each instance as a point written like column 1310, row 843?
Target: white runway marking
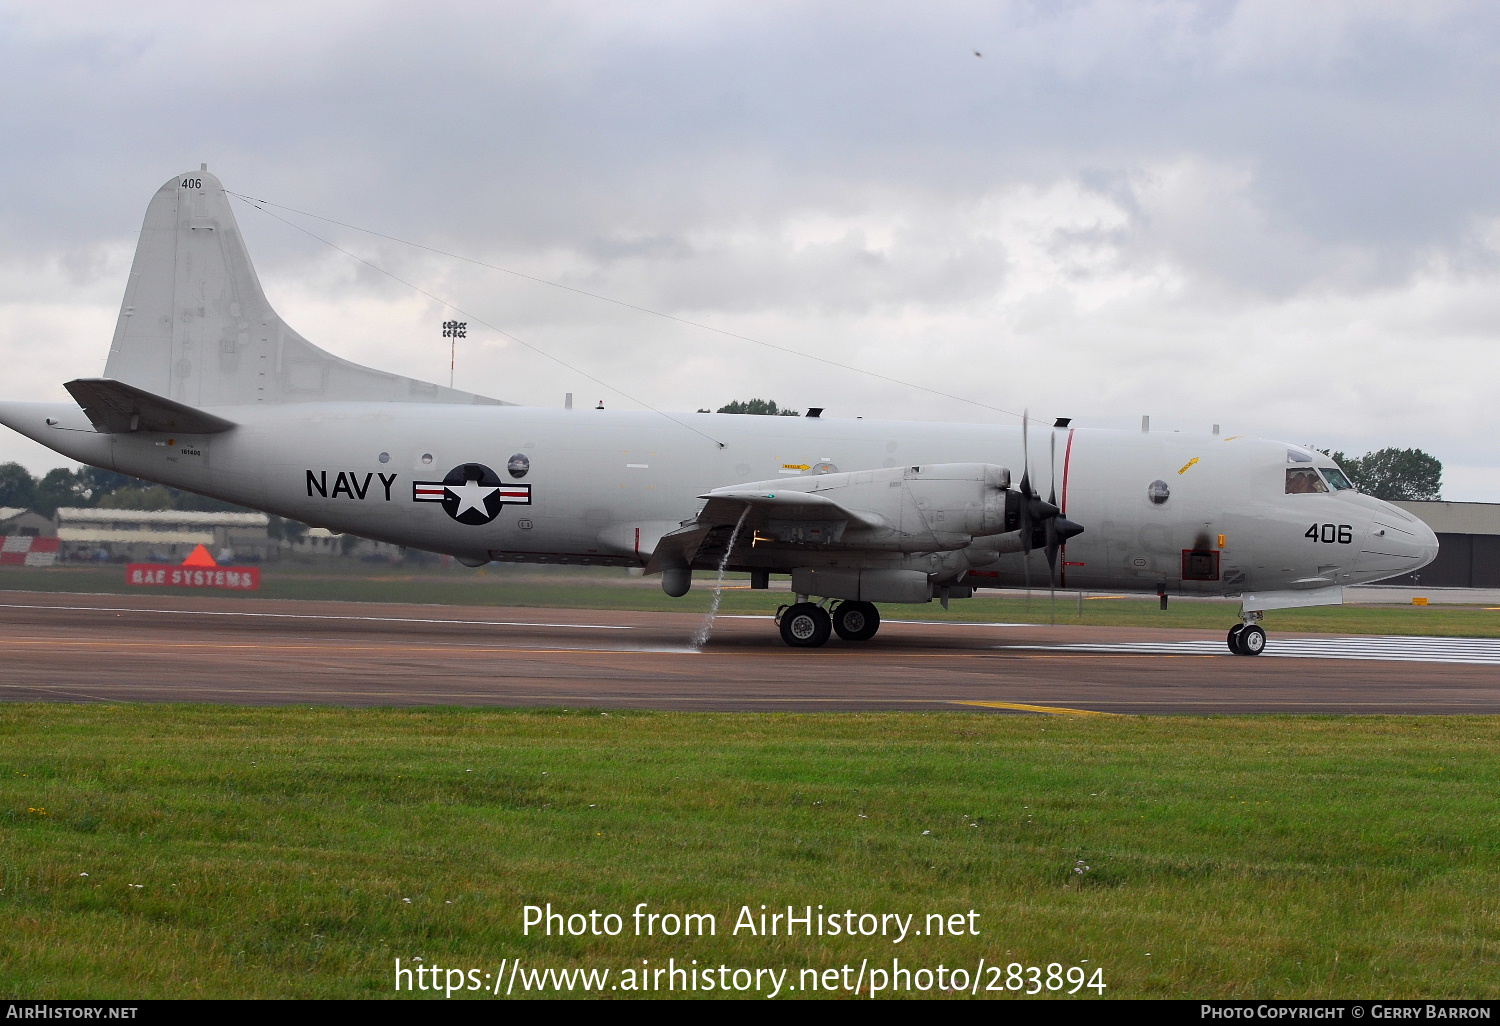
column 322, row 616
column 964, row 623
column 1475, row 651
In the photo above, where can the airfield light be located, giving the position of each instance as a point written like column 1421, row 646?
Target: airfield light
column 454, row 330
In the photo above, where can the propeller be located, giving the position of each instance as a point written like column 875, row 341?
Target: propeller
column 1027, row 525
column 1041, row 522
column 1035, row 512
column 1049, row 528
column 1057, row 528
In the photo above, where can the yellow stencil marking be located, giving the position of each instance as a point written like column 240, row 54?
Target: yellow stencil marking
column 1055, row 710
column 796, row 466
column 1188, row 465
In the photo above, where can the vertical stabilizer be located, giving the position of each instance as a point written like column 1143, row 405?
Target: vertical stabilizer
column 196, row 327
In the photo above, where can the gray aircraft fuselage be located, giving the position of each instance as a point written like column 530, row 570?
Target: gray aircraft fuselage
column 596, row 476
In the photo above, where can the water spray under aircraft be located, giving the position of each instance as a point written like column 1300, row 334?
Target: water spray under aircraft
column 207, row 389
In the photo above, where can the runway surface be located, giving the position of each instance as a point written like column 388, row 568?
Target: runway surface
column 114, row 648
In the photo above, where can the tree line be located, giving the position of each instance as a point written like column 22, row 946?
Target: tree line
column 90, row 487
column 1392, row 474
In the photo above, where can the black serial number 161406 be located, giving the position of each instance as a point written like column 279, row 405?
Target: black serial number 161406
column 1343, row 534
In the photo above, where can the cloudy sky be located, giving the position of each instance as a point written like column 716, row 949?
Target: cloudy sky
column 1279, row 217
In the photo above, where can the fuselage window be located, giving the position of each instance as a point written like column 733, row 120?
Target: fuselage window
column 1304, row 481
column 1297, row 456
column 1336, row 479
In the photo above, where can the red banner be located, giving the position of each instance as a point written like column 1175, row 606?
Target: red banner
column 156, row 575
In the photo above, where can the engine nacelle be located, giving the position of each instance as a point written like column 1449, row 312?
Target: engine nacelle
column 934, row 507
column 961, row 498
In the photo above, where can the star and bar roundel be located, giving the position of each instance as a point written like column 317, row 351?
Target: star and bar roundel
column 472, row 494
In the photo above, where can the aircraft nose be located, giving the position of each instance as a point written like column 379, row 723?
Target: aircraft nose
column 1427, row 544
column 1398, row 542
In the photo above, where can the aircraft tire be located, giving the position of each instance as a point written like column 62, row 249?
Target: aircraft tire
column 856, row 621
column 805, row 625
column 1252, row 640
column 1234, row 638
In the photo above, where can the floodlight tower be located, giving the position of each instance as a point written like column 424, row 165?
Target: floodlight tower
column 454, row 330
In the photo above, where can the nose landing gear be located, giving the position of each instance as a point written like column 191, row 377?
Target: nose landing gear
column 1247, row 638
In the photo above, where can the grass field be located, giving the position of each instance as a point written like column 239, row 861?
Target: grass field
column 272, row 852
column 575, row 588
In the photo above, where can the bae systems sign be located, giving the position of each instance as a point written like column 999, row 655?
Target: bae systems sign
column 149, row 575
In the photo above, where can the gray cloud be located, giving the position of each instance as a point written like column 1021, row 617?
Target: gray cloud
column 1130, row 188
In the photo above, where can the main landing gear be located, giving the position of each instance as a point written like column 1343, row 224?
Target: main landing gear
column 856, row 621
column 1247, row 638
column 808, row 624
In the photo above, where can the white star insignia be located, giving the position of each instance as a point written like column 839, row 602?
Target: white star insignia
column 471, row 495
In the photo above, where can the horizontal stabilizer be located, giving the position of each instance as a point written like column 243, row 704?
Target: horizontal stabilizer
column 117, row 408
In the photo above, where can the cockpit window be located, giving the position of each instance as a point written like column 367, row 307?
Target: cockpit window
column 1336, row 479
column 1297, row 456
column 1303, row 481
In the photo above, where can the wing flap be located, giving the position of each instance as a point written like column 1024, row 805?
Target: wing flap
column 791, row 514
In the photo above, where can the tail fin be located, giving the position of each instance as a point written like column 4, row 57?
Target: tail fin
column 195, row 326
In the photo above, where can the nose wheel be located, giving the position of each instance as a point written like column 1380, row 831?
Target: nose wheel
column 1247, row 639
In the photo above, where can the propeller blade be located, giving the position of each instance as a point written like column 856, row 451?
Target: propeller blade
column 1027, row 526
column 1025, row 447
column 1051, row 533
column 1051, row 589
column 1059, row 529
column 1052, row 438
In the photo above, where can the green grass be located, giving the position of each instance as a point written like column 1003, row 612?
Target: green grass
column 575, row 588
column 1250, row 857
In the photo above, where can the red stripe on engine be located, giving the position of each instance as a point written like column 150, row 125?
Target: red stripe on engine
column 1067, row 463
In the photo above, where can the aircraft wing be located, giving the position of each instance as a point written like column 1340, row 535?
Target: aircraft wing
column 789, row 514
column 117, row 408
column 726, row 504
